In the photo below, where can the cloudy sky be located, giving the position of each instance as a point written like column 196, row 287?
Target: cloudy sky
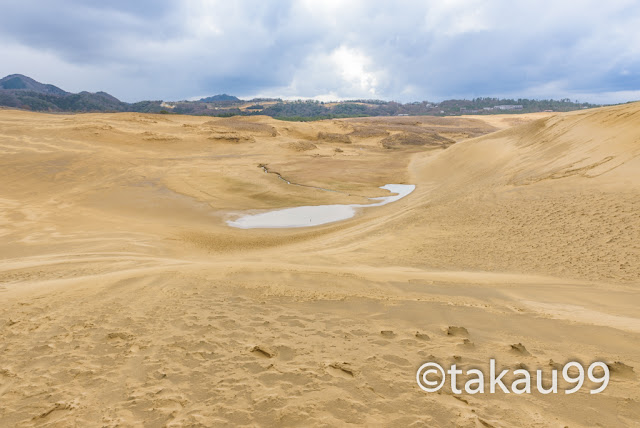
column 326, row 49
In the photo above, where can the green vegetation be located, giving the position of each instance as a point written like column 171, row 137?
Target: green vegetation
column 296, row 109
column 221, row 97
column 22, row 92
column 478, row 105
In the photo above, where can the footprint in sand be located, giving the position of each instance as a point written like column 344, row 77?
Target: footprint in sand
column 466, row 343
column 555, row 366
column 620, row 369
column 457, row 331
column 519, row 349
column 343, row 369
column 120, row 335
column 422, row 336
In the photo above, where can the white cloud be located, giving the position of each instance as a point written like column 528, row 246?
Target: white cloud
column 402, row 50
column 355, row 69
column 456, row 17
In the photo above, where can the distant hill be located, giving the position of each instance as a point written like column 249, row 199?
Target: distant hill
column 18, row 82
column 23, row 92
column 221, row 97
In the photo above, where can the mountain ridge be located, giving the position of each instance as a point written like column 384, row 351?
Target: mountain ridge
column 20, row 82
column 22, row 92
column 219, row 97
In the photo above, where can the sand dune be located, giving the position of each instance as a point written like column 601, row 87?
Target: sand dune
column 126, row 300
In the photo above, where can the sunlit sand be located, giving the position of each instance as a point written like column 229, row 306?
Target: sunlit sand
column 127, row 300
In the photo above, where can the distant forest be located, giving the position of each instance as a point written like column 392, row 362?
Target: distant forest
column 18, row 91
column 315, row 110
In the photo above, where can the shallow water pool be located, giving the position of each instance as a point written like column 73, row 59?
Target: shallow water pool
column 316, row 215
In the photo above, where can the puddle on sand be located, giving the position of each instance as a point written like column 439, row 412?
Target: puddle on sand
column 316, row 215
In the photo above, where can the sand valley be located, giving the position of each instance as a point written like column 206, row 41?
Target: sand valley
column 127, row 300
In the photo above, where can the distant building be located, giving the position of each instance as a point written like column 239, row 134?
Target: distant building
column 403, row 114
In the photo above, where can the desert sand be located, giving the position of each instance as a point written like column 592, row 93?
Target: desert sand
column 126, row 299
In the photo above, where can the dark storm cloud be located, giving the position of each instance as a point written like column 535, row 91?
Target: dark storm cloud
column 84, row 31
column 394, row 50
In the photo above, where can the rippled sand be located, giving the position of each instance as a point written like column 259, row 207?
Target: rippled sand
column 126, row 300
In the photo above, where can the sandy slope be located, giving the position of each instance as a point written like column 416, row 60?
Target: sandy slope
column 125, row 300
